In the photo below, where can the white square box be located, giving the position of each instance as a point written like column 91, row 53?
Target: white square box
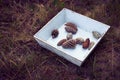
column 85, row 27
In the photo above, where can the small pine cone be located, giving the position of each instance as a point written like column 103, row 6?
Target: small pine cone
column 86, row 43
column 91, row 45
column 96, row 34
column 79, row 40
column 69, row 36
column 55, row 33
column 71, row 28
column 69, row 44
column 61, row 42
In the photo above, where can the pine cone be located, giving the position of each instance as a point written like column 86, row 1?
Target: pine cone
column 69, row 44
column 55, row 33
column 91, row 45
column 79, row 40
column 61, row 42
column 69, row 36
column 96, row 34
column 71, row 28
column 86, row 43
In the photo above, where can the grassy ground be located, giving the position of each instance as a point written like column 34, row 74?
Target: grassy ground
column 21, row 58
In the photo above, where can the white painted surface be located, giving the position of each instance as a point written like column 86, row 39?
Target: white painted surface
column 85, row 27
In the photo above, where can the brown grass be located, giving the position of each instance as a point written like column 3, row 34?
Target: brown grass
column 21, row 58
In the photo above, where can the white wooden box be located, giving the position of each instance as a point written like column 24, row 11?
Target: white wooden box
column 85, row 27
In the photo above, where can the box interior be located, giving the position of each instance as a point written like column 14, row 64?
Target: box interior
column 78, row 53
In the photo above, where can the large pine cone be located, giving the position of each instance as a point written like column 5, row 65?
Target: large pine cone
column 71, row 28
column 61, row 42
column 69, row 44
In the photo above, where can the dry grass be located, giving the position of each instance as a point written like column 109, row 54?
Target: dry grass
column 21, row 58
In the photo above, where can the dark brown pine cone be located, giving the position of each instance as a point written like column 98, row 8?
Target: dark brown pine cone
column 61, row 42
column 86, row 43
column 55, row 33
column 69, row 44
column 71, row 28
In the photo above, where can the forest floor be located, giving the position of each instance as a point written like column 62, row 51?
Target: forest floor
column 21, row 58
